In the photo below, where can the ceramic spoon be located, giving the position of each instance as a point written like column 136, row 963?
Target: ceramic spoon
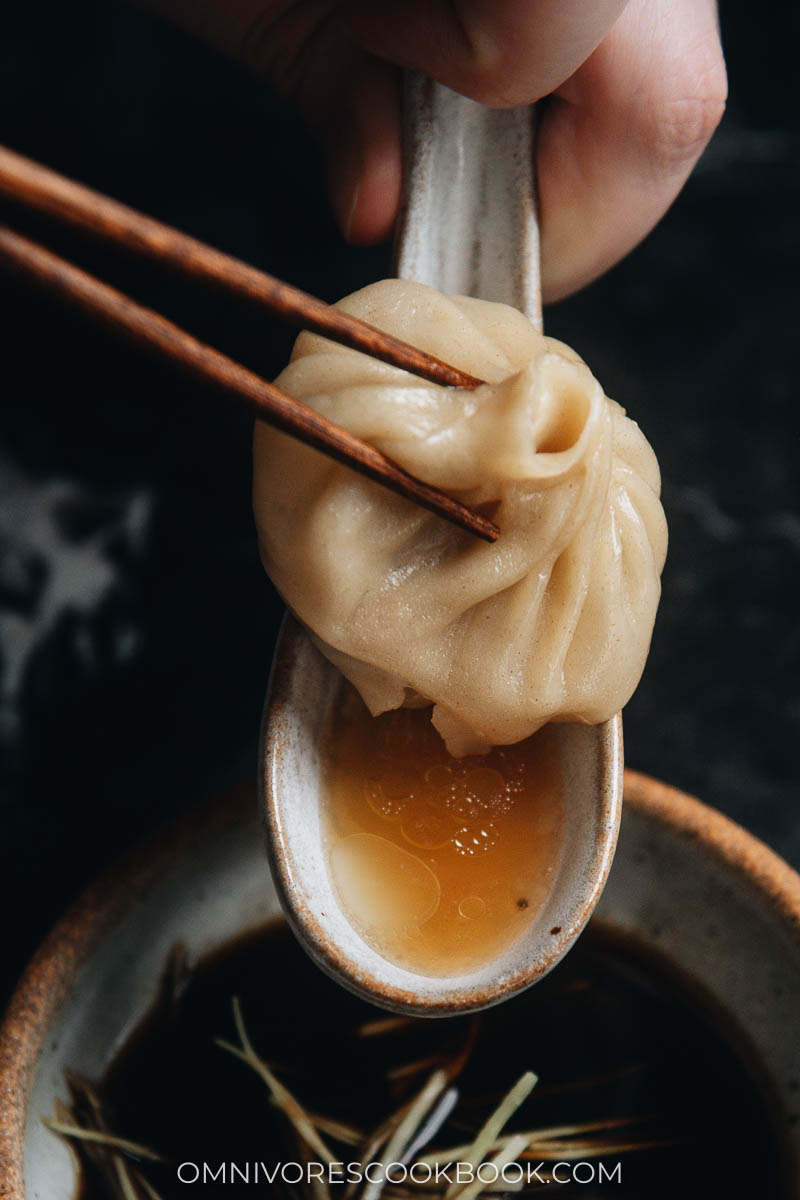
column 468, row 227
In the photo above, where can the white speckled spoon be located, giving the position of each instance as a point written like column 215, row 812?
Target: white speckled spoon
column 468, row 227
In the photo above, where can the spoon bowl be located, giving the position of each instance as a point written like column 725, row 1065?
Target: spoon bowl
column 303, row 690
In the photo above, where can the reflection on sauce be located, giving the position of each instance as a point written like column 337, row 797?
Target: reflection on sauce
column 440, row 863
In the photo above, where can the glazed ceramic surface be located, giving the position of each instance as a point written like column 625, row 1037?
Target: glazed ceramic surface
column 304, row 688
column 718, row 904
column 468, row 226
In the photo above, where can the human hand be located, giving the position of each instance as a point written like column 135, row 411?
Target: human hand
column 634, row 92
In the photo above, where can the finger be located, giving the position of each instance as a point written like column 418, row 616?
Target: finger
column 618, row 140
column 496, row 52
column 501, row 52
column 364, row 155
column 350, row 100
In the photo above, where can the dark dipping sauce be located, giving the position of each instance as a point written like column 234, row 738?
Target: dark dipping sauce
column 610, row 1033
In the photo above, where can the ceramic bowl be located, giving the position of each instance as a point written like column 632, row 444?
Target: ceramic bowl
column 716, row 903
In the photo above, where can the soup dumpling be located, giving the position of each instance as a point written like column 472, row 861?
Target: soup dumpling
column 551, row 622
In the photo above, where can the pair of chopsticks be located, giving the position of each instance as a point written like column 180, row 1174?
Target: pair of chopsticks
column 33, row 186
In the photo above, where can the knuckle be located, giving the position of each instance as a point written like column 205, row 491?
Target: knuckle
column 681, row 121
column 489, row 68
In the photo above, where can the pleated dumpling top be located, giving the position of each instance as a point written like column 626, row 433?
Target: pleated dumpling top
column 551, row 622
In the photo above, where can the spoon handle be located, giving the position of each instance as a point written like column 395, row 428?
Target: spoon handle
column 468, row 222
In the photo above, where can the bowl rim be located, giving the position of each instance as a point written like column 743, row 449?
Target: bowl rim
column 47, row 980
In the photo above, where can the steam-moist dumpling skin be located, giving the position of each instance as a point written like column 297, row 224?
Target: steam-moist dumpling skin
column 551, row 622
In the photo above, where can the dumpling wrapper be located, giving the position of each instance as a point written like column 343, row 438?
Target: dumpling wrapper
column 551, row 622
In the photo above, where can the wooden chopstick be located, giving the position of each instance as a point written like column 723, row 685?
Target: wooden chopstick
column 145, row 327
column 34, row 186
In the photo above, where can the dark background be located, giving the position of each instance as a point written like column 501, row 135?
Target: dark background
column 136, row 626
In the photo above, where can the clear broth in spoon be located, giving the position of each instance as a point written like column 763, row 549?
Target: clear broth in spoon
column 440, row 863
